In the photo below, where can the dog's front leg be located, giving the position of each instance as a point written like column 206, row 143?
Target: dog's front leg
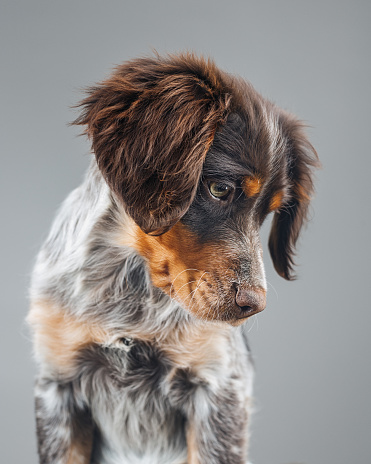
column 217, row 429
column 64, row 425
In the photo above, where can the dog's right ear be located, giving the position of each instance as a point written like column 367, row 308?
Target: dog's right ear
column 151, row 124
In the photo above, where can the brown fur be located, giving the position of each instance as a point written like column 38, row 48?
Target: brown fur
column 151, row 124
column 59, row 336
column 276, row 201
column 161, row 128
column 186, row 270
column 80, row 452
column 301, row 193
column 252, row 185
column 193, row 456
column 288, row 221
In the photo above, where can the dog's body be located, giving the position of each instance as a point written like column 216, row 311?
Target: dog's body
column 154, row 262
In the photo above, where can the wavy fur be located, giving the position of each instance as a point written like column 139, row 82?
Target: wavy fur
column 139, row 294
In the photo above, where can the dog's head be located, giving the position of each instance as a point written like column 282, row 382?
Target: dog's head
column 199, row 159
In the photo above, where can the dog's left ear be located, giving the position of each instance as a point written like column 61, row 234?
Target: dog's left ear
column 151, row 124
column 287, row 222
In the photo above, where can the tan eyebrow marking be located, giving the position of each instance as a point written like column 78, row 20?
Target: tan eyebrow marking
column 276, row 201
column 252, row 185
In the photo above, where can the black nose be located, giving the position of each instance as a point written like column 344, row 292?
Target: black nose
column 250, row 300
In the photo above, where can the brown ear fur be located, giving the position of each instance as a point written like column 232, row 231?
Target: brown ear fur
column 288, row 221
column 151, row 124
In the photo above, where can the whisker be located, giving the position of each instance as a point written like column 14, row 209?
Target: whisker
column 197, row 286
column 187, row 283
column 254, row 319
column 275, row 291
column 173, row 281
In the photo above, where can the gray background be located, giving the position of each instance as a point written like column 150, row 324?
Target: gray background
column 312, row 345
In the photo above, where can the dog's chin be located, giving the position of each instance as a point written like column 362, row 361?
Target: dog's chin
column 231, row 314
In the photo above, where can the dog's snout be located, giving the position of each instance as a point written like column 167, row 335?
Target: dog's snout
column 250, row 300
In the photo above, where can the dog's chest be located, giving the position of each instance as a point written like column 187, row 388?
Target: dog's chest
column 141, row 393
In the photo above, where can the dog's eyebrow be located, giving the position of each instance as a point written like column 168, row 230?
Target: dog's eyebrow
column 220, row 164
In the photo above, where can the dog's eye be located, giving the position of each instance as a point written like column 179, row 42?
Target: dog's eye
column 220, row 190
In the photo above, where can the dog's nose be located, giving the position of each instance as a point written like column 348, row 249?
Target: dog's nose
column 250, row 300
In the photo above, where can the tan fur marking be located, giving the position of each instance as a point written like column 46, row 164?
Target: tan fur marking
column 301, row 193
column 252, row 185
column 190, row 267
column 276, row 201
column 80, row 453
column 198, row 347
column 192, row 453
column 59, row 336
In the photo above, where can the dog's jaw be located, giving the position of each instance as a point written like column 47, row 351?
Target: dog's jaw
column 201, row 277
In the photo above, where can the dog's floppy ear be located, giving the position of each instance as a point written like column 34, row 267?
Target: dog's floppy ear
column 151, row 124
column 288, row 221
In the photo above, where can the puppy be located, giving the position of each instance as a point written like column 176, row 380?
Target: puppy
column 154, row 263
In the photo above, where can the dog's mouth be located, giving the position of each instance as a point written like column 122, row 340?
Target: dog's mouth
column 239, row 314
column 202, row 278
column 238, row 303
column 246, row 311
column 227, row 311
column 209, row 298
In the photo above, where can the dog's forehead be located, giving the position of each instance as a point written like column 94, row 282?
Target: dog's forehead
column 250, row 145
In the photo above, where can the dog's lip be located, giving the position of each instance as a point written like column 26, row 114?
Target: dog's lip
column 233, row 313
column 238, row 315
column 245, row 312
column 244, row 315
